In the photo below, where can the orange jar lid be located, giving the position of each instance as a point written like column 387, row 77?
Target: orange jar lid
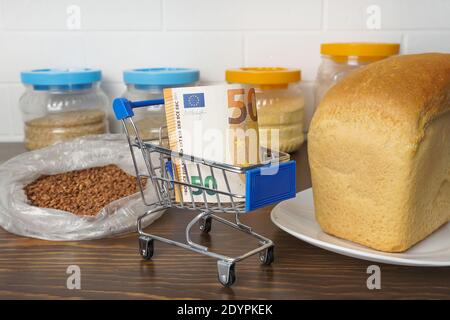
column 263, row 75
column 360, row 49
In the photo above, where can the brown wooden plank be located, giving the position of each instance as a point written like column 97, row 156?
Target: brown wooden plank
column 112, row 268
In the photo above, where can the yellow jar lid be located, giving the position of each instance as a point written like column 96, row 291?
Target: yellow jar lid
column 263, row 75
column 360, row 49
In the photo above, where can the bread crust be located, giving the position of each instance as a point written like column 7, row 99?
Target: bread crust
column 402, row 93
column 379, row 151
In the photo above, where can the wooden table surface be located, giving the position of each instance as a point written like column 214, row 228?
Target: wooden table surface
column 112, row 268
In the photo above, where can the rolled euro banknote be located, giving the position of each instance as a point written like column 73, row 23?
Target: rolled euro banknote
column 216, row 123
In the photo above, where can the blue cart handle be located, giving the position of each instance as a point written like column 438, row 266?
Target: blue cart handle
column 123, row 108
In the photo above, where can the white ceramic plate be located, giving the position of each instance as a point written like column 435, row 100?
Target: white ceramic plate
column 296, row 216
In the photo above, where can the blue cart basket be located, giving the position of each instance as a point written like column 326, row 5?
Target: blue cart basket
column 268, row 182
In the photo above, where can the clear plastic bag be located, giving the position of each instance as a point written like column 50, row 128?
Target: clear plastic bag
column 120, row 216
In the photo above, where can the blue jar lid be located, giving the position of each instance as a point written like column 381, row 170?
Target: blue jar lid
column 161, row 76
column 60, row 77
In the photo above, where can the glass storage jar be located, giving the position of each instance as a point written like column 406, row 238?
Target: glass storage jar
column 62, row 104
column 149, row 83
column 280, row 104
column 338, row 59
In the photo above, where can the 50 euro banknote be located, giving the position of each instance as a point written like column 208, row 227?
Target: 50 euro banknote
column 218, row 124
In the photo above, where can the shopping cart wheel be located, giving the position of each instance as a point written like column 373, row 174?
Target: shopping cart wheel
column 266, row 257
column 226, row 273
column 146, row 247
column 205, row 224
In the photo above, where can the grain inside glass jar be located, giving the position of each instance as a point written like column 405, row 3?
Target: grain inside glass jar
column 53, row 128
column 60, row 105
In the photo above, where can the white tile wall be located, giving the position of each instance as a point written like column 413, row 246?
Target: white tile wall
column 208, row 34
column 6, row 126
column 395, row 14
column 242, row 15
column 416, row 42
column 212, row 52
column 301, row 49
column 33, row 15
column 24, row 50
column 293, row 49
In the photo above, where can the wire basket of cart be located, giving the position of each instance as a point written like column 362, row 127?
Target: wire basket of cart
column 268, row 182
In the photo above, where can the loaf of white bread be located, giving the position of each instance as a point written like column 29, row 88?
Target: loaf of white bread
column 379, row 150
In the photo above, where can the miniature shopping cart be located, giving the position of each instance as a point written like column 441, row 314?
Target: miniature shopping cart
column 269, row 182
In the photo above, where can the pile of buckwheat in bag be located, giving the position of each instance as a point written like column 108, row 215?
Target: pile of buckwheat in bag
column 82, row 192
